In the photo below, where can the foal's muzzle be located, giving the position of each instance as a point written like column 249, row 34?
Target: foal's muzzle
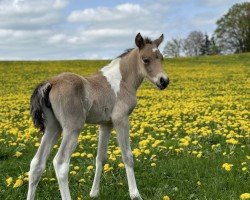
column 163, row 83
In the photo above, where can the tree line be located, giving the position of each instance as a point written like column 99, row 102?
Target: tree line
column 232, row 35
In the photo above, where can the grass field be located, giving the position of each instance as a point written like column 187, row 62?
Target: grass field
column 191, row 141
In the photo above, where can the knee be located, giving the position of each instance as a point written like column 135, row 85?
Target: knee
column 36, row 167
column 61, row 168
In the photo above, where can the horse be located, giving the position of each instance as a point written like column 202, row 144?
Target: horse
column 62, row 105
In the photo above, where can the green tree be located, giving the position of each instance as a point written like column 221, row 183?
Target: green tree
column 233, row 29
column 206, row 46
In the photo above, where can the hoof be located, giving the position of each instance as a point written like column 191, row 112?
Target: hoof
column 135, row 197
column 94, row 195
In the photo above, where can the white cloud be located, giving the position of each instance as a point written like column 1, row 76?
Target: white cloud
column 126, row 11
column 25, row 14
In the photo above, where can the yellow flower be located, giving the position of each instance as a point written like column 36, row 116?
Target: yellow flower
column 18, row 183
column 37, row 144
column 147, row 151
column 107, row 168
column 18, row 154
column 90, row 155
column 198, row 183
column 76, row 168
column 245, row 196
column 136, row 152
column 90, row 167
column 166, row 198
column 77, row 154
column 227, row 166
column 73, row 172
column 81, row 180
column 244, row 169
column 121, row 165
column 153, row 164
column 232, row 141
column 9, row 181
column 199, row 155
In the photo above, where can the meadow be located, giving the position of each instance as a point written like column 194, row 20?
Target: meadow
column 190, row 141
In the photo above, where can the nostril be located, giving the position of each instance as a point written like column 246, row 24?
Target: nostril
column 162, row 81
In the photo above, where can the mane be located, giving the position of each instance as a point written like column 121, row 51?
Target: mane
column 127, row 51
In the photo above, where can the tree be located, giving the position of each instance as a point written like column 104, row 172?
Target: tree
column 233, row 29
column 206, row 46
column 173, row 48
column 193, row 43
column 214, row 48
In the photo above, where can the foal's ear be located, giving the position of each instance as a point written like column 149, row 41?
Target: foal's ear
column 139, row 41
column 159, row 40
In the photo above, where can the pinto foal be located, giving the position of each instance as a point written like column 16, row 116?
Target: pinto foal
column 67, row 101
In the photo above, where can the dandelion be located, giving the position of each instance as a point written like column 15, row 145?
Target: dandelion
column 81, row 180
column 77, row 154
column 18, row 154
column 232, row 141
column 166, row 197
column 90, row 155
column 199, row 155
column 121, row 165
column 37, row 144
column 244, row 169
column 90, row 167
column 147, row 151
column 73, row 172
column 153, row 164
column 107, row 168
column 9, row 181
column 227, row 166
column 245, row 196
column 18, row 183
column 136, row 152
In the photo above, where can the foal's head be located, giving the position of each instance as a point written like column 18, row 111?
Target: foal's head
column 151, row 61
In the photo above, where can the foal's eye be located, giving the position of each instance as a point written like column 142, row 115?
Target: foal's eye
column 146, row 61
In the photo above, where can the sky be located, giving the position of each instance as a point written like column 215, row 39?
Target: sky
column 97, row 29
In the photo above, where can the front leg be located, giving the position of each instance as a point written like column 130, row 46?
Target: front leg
column 121, row 125
column 101, row 157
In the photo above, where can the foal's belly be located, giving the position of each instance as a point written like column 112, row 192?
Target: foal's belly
column 99, row 114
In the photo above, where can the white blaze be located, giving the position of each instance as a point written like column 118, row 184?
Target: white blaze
column 155, row 49
column 113, row 74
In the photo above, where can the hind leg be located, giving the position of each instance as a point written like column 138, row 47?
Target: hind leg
column 62, row 159
column 38, row 163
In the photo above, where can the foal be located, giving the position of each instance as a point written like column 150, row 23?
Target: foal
column 67, row 101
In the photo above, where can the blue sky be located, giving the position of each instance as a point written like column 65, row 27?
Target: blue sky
column 94, row 29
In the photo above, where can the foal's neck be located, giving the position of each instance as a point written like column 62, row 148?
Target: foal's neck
column 129, row 66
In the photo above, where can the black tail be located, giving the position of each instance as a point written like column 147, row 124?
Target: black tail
column 39, row 98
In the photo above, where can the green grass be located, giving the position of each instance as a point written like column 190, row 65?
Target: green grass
column 208, row 97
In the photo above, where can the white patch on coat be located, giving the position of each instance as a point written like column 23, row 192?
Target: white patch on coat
column 113, row 74
column 155, row 49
